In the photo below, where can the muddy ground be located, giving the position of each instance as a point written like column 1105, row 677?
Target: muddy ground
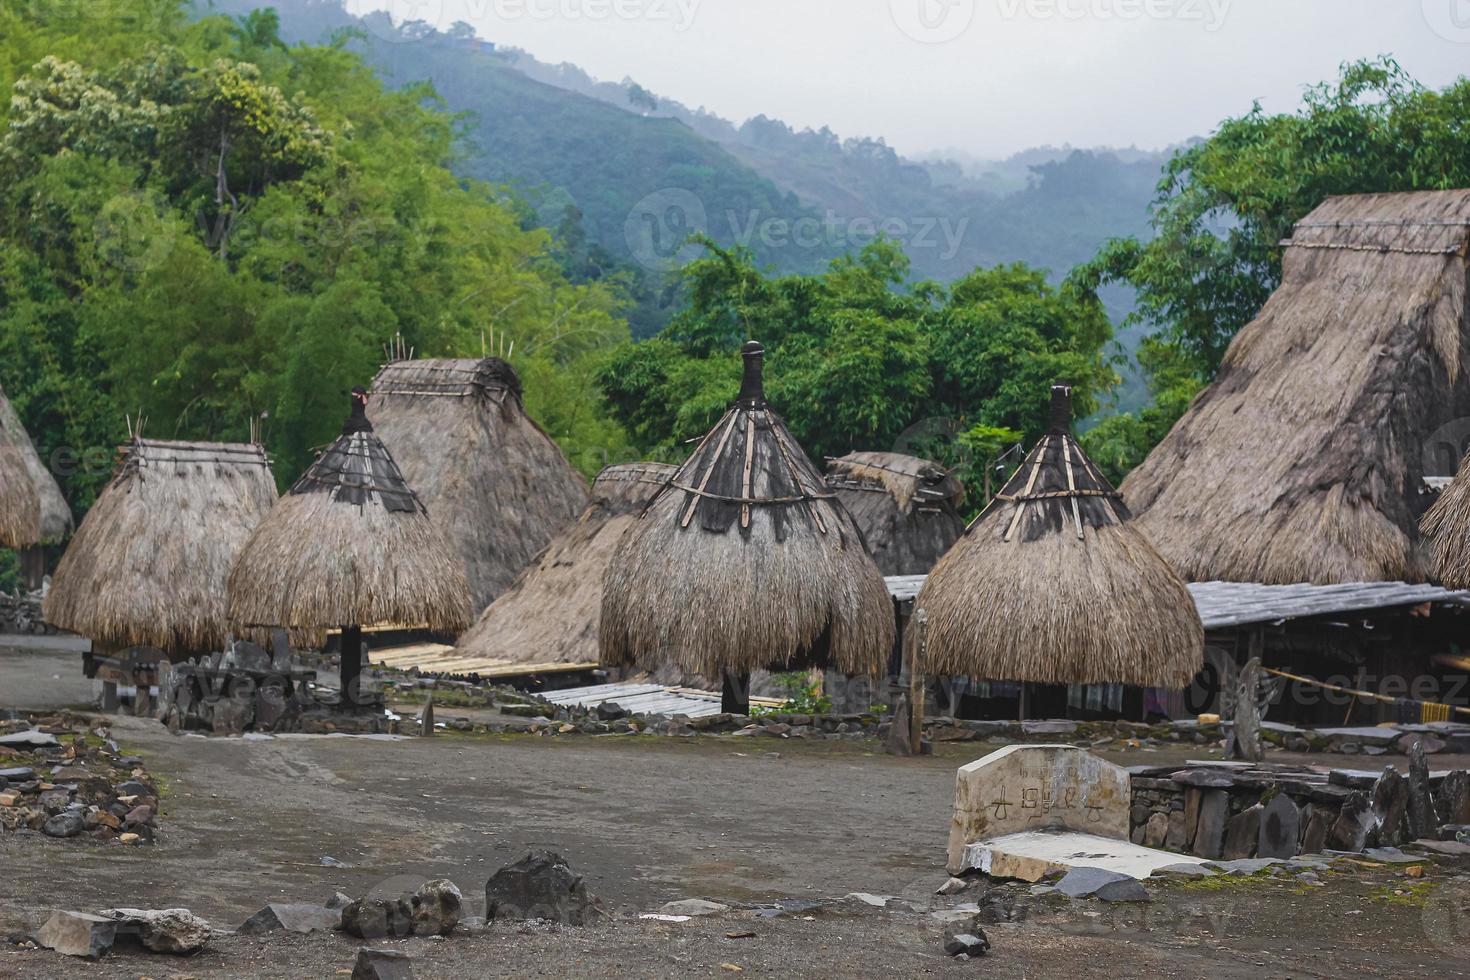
column 649, row 820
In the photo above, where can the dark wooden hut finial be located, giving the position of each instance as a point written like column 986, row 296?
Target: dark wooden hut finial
column 1061, row 408
column 752, row 388
column 357, row 421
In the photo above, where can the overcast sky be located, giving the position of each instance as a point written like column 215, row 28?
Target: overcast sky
column 985, row 76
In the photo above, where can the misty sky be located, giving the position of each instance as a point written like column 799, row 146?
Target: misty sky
column 988, row 77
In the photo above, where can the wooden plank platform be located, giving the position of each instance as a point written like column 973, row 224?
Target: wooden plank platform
column 437, row 658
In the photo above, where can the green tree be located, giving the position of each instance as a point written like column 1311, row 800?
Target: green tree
column 1225, row 204
column 204, row 227
column 861, row 357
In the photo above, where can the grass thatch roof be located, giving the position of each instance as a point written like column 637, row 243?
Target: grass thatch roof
column 1303, row 461
column 1052, row 584
column 550, row 614
column 20, row 505
column 1446, row 529
column 350, row 544
column 492, row 480
column 53, row 520
column 148, row 565
column 745, row 561
column 905, row 507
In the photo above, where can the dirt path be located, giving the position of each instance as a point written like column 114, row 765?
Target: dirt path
column 649, row 820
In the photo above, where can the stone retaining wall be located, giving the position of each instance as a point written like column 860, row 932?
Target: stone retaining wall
column 1217, row 812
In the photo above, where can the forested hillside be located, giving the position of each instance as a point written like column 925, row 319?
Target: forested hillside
column 207, row 228
column 625, row 173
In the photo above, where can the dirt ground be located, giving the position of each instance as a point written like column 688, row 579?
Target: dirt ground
column 649, row 820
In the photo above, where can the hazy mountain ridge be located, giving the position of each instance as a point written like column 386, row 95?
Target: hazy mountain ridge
column 610, row 164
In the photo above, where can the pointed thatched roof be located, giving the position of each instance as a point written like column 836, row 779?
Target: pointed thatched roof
column 1052, row 584
column 905, row 507
column 550, row 613
column 20, row 504
column 23, row 524
column 493, row 481
column 1446, row 528
column 745, row 561
column 1304, row 460
column 148, row 565
column 350, row 544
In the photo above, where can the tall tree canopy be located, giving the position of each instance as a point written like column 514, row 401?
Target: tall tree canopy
column 205, row 226
column 860, row 357
column 1225, row 204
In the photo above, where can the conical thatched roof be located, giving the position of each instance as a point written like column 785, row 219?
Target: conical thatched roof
column 745, row 561
column 905, row 507
column 1304, row 460
column 492, row 480
column 53, row 520
column 1447, row 531
column 550, row 614
column 148, row 565
column 20, row 504
column 350, row 544
column 1052, row 584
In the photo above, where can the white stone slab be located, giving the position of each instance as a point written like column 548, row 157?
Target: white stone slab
column 1031, row 855
column 1037, row 787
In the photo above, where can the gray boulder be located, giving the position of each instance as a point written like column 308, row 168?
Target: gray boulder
column 78, row 934
column 382, row 964
column 974, row 943
column 177, row 931
column 436, row 908
column 377, row 918
column 292, row 918
column 539, row 886
column 67, row 824
column 1084, row 882
column 693, row 907
column 1126, row 890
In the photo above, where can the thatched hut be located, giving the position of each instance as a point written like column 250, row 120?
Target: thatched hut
column 52, row 516
column 349, row 545
column 1446, row 528
column 744, row 561
column 1053, row 585
column 20, row 503
column 1305, row 460
column 148, row 565
column 906, row 507
column 491, row 478
column 550, row 613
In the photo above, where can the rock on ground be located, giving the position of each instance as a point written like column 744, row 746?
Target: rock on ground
column 974, row 943
column 436, row 908
column 78, row 934
column 693, row 907
column 377, row 918
column 539, row 886
column 176, row 931
column 382, row 964
column 292, row 918
column 1082, row 882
